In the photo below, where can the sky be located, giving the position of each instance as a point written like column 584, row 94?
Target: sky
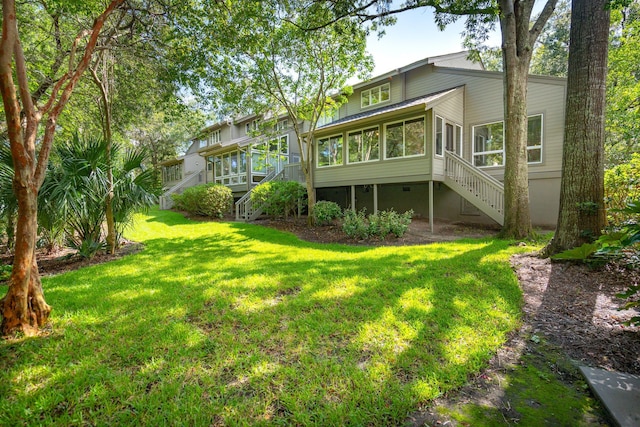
column 415, row 36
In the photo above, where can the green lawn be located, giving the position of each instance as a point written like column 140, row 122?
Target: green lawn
column 228, row 323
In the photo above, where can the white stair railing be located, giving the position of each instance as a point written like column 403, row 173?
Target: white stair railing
column 166, row 202
column 247, row 210
column 476, row 186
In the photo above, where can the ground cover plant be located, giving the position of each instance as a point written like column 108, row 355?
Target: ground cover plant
column 229, row 323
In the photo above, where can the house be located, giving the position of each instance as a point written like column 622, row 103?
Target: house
column 429, row 137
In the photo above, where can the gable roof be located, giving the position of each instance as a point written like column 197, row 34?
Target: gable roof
column 426, row 100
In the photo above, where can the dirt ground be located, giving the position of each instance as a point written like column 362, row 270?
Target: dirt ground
column 572, row 307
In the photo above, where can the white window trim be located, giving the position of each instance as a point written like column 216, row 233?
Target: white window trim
column 435, row 135
column 370, row 90
column 534, row 147
column 318, row 151
column 424, row 142
column 459, row 131
column 346, row 144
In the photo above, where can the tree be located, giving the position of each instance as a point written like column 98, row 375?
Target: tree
column 623, row 86
column 552, row 48
column 258, row 52
column 582, row 215
column 518, row 39
column 24, row 307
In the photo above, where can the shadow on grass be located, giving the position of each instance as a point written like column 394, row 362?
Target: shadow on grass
column 243, row 324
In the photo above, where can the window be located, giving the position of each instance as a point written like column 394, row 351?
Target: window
column 363, row 145
column 214, row 137
column 230, row 168
column 405, row 139
column 534, row 139
column 376, row 95
column 488, row 142
column 202, row 143
column 458, row 147
column 273, row 154
column 282, row 125
column 330, row 151
column 439, row 136
column 327, row 117
column 172, row 173
column 252, row 126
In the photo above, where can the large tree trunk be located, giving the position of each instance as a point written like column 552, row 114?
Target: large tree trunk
column 581, row 217
column 23, row 307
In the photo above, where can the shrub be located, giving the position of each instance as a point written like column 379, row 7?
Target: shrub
column 622, row 185
column 355, row 224
column 208, row 199
column 324, row 212
column 279, row 198
column 380, row 224
column 5, row 272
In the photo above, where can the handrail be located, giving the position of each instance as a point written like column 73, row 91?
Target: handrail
column 165, row 199
column 475, row 185
column 245, row 208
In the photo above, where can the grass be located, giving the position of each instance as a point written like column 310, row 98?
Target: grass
column 227, row 323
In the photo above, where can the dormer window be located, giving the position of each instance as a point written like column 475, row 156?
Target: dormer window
column 375, row 95
column 252, row 126
column 214, row 137
column 282, row 125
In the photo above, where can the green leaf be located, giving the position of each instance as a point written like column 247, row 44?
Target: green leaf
column 580, row 253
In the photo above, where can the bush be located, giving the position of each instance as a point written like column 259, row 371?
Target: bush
column 622, row 185
column 208, row 199
column 324, row 212
column 279, row 198
column 357, row 226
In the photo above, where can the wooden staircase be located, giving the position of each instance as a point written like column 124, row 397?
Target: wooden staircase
column 479, row 188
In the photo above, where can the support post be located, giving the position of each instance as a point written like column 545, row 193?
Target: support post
column 353, row 198
column 375, row 198
column 431, row 205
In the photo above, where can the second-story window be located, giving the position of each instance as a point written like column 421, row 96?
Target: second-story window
column 375, row 95
column 252, row 126
column 214, row 137
column 282, row 125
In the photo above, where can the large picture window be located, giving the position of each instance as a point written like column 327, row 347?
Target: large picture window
column 363, row 145
column 405, row 138
column 376, row 95
column 330, row 151
column 273, row 154
column 230, row 168
column 488, row 142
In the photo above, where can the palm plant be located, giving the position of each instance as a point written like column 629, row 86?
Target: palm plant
column 8, row 201
column 76, row 188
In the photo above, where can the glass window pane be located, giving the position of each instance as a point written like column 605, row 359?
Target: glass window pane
column 336, row 150
column 439, row 130
column 534, row 155
column 385, row 93
column 234, row 163
column 258, row 162
column 225, row 164
column 284, row 145
column 534, row 131
column 355, row 147
column 365, row 98
column 323, row 152
column 375, row 96
column 242, row 169
column 217, row 166
column 494, row 159
column 393, row 140
column 370, row 144
column 414, row 137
